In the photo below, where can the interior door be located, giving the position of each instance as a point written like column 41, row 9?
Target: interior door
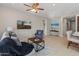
column 78, row 23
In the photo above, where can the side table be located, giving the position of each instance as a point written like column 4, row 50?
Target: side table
column 38, row 44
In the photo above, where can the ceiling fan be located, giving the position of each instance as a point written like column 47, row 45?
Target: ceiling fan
column 34, row 8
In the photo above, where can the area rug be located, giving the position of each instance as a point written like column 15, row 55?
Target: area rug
column 43, row 52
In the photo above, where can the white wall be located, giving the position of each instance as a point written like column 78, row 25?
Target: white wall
column 64, row 26
column 9, row 17
column 61, row 27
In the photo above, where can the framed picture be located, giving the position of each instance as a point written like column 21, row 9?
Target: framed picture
column 23, row 24
column 55, row 25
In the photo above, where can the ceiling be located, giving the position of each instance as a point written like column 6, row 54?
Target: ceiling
column 51, row 10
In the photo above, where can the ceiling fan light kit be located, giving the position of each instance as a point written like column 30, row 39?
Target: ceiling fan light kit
column 33, row 10
column 35, row 7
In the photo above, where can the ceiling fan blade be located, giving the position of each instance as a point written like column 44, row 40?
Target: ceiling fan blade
column 40, row 8
column 35, row 5
column 28, row 9
column 27, row 5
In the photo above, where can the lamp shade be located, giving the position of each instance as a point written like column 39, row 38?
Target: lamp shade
column 9, row 28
